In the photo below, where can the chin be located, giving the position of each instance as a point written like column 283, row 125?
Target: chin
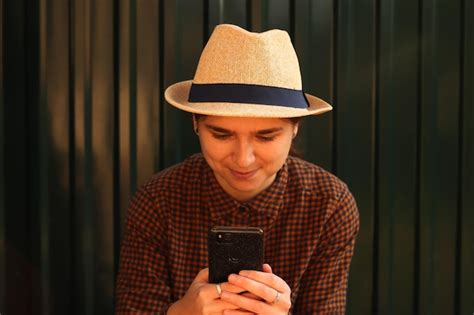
column 251, row 189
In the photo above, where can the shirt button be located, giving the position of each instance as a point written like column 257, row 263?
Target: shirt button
column 242, row 209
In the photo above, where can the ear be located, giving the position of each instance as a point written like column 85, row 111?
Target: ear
column 295, row 130
column 195, row 124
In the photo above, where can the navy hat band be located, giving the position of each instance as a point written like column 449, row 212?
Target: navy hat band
column 247, row 93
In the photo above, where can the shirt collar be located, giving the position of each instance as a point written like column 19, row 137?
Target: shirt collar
column 221, row 204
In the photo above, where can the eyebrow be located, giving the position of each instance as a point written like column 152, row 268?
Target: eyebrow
column 260, row 132
column 269, row 131
column 217, row 129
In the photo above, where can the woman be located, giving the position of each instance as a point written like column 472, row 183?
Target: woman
column 246, row 99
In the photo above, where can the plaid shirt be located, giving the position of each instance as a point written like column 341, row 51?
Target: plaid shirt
column 309, row 217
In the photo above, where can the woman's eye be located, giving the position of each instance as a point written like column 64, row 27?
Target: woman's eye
column 266, row 138
column 220, row 136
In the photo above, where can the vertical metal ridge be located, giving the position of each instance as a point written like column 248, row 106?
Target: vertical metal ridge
column 72, row 153
column 11, row 52
column 88, row 233
column 205, row 24
column 248, row 7
column 417, row 257
column 2, row 169
column 256, row 17
column 161, row 41
column 434, row 215
column 264, row 14
column 459, row 226
column 292, row 21
column 376, row 139
column 31, row 75
column 116, row 136
column 334, row 83
column 43, row 209
column 133, row 94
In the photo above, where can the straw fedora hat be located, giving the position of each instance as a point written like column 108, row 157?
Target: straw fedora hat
column 245, row 74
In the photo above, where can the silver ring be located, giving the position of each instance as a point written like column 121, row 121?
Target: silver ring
column 219, row 290
column 277, row 297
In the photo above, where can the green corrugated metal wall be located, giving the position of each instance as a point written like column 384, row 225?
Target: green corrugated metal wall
column 83, row 123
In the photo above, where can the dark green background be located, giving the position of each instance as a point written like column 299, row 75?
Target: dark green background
column 83, row 123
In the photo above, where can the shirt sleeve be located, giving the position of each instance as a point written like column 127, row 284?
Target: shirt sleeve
column 324, row 284
column 142, row 283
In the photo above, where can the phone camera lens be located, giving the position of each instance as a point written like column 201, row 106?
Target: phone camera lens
column 224, row 237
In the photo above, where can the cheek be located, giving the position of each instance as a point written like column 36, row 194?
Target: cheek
column 212, row 151
column 276, row 153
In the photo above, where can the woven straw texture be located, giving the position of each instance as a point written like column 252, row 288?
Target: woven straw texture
column 234, row 55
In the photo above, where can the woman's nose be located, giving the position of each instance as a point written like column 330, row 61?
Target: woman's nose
column 244, row 155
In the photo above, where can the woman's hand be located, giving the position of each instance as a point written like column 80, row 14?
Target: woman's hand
column 274, row 295
column 202, row 297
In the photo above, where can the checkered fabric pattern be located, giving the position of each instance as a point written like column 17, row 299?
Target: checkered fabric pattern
column 309, row 218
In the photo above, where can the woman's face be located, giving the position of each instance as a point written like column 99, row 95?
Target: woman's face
column 245, row 153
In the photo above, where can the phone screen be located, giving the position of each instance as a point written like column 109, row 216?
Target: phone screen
column 232, row 249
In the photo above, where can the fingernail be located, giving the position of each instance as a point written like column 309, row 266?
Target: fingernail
column 232, row 277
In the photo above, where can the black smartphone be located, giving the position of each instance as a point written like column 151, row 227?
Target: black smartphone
column 232, row 249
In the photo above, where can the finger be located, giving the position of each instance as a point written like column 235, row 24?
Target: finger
column 261, row 290
column 210, row 297
column 202, row 276
column 237, row 312
column 268, row 279
column 218, row 307
column 251, row 296
column 221, row 305
column 226, row 286
column 267, row 268
column 210, row 291
column 250, row 305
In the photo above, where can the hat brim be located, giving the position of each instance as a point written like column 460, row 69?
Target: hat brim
column 178, row 93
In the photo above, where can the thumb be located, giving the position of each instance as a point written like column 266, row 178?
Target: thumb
column 202, row 276
column 267, row 268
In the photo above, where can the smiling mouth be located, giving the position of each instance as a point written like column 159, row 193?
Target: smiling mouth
column 243, row 175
